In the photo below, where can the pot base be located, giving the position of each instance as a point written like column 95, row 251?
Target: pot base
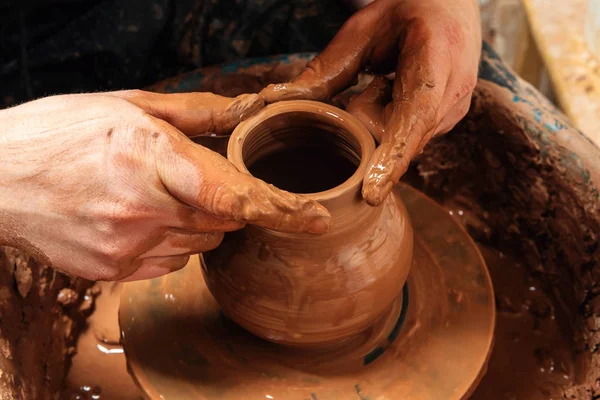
column 433, row 342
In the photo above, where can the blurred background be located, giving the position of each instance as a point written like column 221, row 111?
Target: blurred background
column 555, row 46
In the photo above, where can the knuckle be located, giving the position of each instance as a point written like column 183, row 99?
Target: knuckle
column 420, row 30
column 454, row 33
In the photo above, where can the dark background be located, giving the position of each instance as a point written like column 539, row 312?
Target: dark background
column 50, row 47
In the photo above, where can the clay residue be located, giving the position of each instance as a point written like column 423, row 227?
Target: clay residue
column 520, row 182
column 512, row 162
column 180, row 345
column 37, row 330
column 99, row 369
column 532, row 357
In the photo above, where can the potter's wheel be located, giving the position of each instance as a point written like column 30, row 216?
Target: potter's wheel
column 433, row 343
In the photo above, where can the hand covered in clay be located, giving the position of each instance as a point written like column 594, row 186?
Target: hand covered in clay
column 108, row 186
column 432, row 46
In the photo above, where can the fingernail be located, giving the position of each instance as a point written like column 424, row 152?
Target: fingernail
column 319, row 226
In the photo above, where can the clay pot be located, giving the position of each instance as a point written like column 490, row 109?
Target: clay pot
column 301, row 289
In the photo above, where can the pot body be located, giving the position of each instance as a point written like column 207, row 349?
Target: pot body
column 307, row 290
column 301, row 289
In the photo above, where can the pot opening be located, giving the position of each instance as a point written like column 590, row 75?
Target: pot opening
column 301, row 152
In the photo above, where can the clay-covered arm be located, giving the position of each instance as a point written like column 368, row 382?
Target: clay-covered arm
column 433, row 49
column 108, row 186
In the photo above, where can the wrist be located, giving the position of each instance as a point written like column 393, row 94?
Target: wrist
column 11, row 201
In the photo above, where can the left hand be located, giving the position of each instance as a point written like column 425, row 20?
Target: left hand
column 433, row 46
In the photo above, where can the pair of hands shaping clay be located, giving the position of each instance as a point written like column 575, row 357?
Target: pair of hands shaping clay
column 433, row 48
column 108, row 186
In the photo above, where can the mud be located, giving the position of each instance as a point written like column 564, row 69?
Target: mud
column 532, row 358
column 528, row 179
column 42, row 312
column 99, row 368
column 527, row 193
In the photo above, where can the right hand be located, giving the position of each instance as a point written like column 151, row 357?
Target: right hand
column 107, row 186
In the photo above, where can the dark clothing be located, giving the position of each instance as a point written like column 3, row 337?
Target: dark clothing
column 51, row 47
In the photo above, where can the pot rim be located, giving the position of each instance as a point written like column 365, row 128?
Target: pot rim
column 328, row 112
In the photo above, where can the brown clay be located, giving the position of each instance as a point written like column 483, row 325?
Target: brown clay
column 300, row 289
column 99, row 369
column 529, row 339
column 179, row 345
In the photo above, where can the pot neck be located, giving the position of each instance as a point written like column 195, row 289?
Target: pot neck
column 287, row 124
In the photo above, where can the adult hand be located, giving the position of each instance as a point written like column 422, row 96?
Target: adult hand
column 433, row 46
column 108, row 187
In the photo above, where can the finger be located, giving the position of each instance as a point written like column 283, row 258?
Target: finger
column 421, row 80
column 157, row 266
column 178, row 243
column 369, row 106
column 337, row 66
column 205, row 180
column 192, row 219
column 196, row 113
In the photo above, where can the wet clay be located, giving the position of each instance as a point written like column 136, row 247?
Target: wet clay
column 42, row 313
column 533, row 357
column 521, row 183
column 99, row 368
column 530, row 186
column 180, row 345
column 305, row 290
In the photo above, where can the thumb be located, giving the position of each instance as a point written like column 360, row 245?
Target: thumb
column 196, row 114
column 205, row 180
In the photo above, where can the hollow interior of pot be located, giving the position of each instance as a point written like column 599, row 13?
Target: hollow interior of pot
column 301, row 152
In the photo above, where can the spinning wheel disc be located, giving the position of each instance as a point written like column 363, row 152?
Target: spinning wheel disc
column 433, row 342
